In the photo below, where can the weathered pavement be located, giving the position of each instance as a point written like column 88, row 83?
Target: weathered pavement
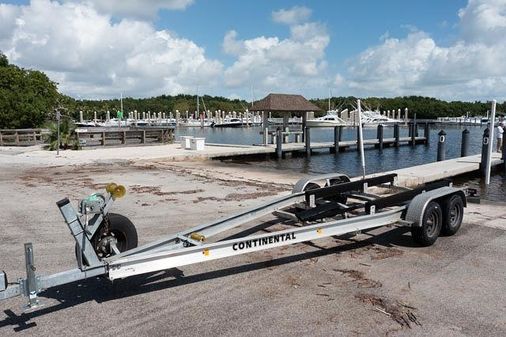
column 376, row 283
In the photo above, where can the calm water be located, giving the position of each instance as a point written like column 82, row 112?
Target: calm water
column 349, row 162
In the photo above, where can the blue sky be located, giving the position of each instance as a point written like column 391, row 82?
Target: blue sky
column 365, row 48
column 352, row 25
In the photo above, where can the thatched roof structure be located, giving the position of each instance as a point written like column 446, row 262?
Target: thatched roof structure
column 284, row 103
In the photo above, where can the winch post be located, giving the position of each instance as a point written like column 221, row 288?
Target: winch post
column 31, row 282
column 78, row 232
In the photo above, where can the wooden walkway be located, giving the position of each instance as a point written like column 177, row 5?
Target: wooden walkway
column 343, row 145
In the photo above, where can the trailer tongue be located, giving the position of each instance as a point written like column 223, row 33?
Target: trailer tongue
column 329, row 205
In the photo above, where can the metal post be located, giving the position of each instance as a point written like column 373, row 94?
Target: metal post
column 59, row 141
column 441, row 146
column 359, row 140
column 58, row 118
column 489, row 150
column 279, row 143
column 464, row 148
column 380, row 137
column 484, row 152
column 426, row 134
column 396, row 134
column 31, row 281
column 307, row 140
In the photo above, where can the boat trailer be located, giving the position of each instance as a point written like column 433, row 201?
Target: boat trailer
column 318, row 207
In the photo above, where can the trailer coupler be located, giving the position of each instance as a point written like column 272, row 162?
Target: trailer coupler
column 29, row 287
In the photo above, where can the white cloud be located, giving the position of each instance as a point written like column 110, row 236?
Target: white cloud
column 8, row 14
column 135, row 8
column 294, row 15
column 483, row 21
column 91, row 56
column 270, row 64
column 471, row 68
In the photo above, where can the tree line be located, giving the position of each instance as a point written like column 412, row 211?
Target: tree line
column 28, row 99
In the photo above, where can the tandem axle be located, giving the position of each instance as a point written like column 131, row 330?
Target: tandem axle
column 323, row 206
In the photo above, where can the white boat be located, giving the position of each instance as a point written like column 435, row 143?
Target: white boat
column 229, row 123
column 85, row 124
column 374, row 118
column 191, row 122
column 279, row 121
column 331, row 119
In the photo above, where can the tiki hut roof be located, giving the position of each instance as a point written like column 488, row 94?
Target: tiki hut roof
column 284, row 103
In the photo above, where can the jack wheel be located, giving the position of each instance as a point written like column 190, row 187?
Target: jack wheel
column 120, row 230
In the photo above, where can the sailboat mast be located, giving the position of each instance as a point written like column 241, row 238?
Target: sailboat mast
column 329, row 98
column 198, row 107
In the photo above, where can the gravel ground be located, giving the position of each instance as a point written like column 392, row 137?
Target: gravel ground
column 375, row 283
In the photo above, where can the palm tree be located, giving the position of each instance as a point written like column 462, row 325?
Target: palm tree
column 68, row 139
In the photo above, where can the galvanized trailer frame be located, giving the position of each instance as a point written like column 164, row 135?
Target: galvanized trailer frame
column 314, row 207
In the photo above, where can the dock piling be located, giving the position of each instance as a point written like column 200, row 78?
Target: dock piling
column 337, row 138
column 396, row 134
column 380, row 137
column 484, row 152
column 286, row 134
column 415, row 126
column 413, row 134
column 441, row 146
column 307, row 140
column 426, row 134
column 464, row 149
column 279, row 143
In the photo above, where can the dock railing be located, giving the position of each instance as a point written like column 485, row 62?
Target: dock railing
column 23, row 137
column 140, row 136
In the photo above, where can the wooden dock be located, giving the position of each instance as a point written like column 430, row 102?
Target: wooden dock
column 343, row 145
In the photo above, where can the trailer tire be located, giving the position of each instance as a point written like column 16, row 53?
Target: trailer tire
column 453, row 214
column 428, row 231
column 122, row 229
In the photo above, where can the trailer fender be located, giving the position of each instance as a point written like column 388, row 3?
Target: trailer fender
column 329, row 179
column 419, row 203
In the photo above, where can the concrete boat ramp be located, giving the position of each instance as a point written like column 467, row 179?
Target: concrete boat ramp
column 415, row 175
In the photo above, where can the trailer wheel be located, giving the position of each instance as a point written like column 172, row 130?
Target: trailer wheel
column 430, row 228
column 121, row 229
column 453, row 213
